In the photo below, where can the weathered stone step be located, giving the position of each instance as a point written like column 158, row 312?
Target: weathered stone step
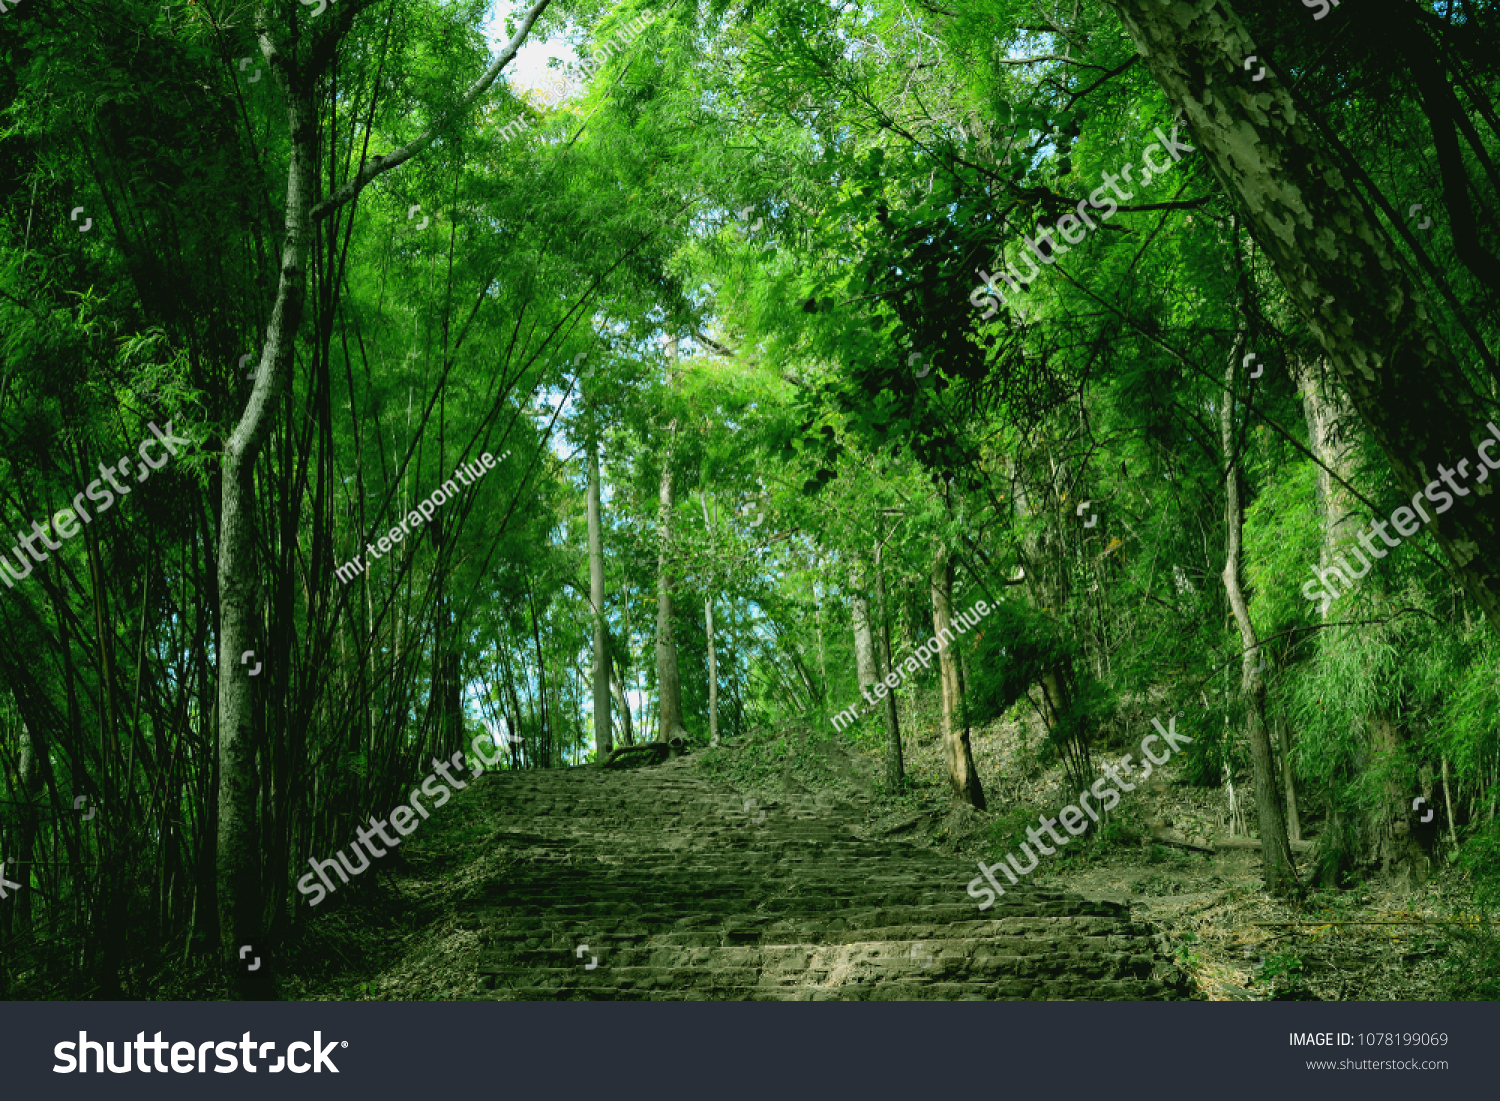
column 792, row 965
column 567, row 914
column 681, row 892
column 1016, row 990
column 672, row 949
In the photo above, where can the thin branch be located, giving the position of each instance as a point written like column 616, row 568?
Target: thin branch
column 385, row 162
column 1107, row 76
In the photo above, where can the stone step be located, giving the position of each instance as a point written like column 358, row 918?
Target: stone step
column 1015, row 990
column 793, row 964
column 681, row 891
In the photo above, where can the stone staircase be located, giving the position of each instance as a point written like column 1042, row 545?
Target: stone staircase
column 682, row 888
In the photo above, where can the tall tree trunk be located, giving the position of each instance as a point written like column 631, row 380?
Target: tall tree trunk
column 623, row 656
column 668, row 679
column 713, row 664
column 866, row 667
column 962, row 776
column 238, row 872
column 1341, row 271
column 1276, row 853
column 30, row 789
column 627, row 735
column 603, row 730
column 895, row 770
column 545, row 714
column 1288, row 779
column 822, row 647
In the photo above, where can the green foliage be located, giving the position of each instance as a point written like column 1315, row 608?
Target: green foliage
column 1471, row 939
column 1282, row 975
column 1020, row 644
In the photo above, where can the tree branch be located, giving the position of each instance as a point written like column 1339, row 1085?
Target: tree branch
column 386, row 162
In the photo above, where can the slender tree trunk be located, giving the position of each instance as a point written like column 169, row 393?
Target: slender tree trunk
column 866, row 667
column 962, row 775
column 603, row 730
column 545, row 714
column 822, row 648
column 1276, row 853
column 624, row 656
column 30, row 788
column 627, row 736
column 1288, row 780
column 238, row 871
column 297, row 70
column 1045, row 574
column 668, row 679
column 1341, row 270
column 895, row 770
column 713, row 664
column 518, row 736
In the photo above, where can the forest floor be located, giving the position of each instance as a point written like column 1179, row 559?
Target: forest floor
column 1236, row 941
column 404, row 939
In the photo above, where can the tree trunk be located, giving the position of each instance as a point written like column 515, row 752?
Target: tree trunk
column 1046, row 576
column 238, row 871
column 545, row 714
column 603, row 730
column 668, row 680
column 713, row 664
column 822, row 648
column 895, row 771
column 627, row 735
column 1276, row 853
column 962, row 775
column 30, row 788
column 518, row 735
column 1288, row 780
column 1341, row 271
column 866, row 668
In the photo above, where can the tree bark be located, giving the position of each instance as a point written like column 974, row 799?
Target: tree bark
column 822, row 648
column 866, row 669
column 30, row 788
column 627, row 735
column 962, row 776
column 1276, row 853
column 1045, row 574
column 603, row 730
column 1338, row 264
column 545, row 714
column 895, row 770
column 668, row 679
column 713, row 664
column 238, row 871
